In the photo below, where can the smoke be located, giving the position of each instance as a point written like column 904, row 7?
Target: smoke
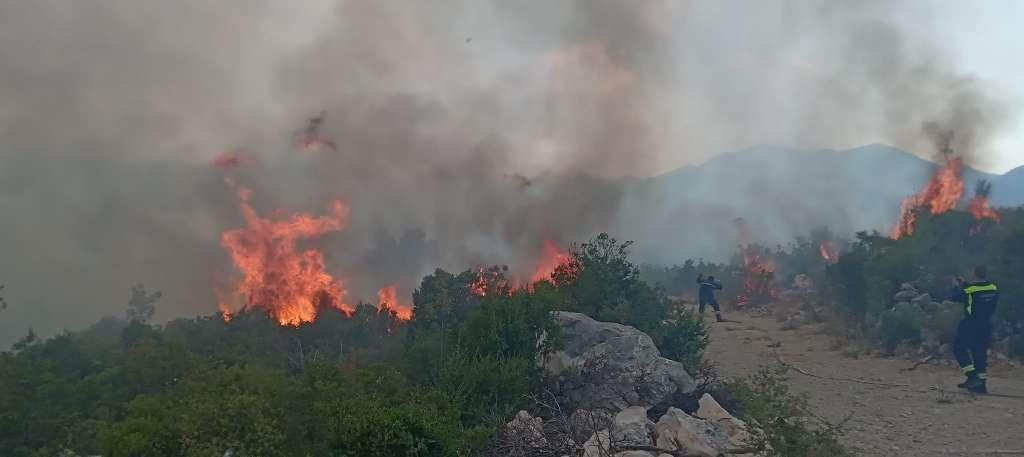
column 465, row 132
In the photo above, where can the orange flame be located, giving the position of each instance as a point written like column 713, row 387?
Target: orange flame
column 942, row 194
column 227, row 160
column 550, row 258
column 980, row 209
column 289, row 285
column 387, row 299
column 829, row 251
column 758, row 278
column 491, row 280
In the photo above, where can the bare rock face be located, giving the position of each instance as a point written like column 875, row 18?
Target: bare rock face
column 610, row 366
column 678, row 431
column 632, row 427
column 734, row 428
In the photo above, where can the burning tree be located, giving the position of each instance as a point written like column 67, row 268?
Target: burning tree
column 758, row 276
column 290, row 285
column 979, row 206
column 941, row 194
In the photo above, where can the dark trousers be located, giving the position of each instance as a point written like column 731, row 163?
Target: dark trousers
column 712, row 302
column 971, row 344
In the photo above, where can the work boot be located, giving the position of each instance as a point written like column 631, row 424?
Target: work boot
column 971, row 377
column 977, row 386
column 718, row 317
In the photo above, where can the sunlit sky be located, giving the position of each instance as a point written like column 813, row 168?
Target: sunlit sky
column 986, row 39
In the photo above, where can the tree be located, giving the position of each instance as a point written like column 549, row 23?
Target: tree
column 141, row 304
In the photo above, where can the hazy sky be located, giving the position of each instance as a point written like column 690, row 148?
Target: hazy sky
column 111, row 111
column 984, row 38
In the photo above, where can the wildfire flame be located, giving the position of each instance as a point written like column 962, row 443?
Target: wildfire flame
column 979, row 206
column 758, row 278
column 387, row 299
column 829, row 251
column 491, row 280
column 227, row 160
column 551, row 257
column 291, row 286
column 941, row 194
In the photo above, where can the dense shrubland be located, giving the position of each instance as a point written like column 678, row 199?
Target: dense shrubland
column 369, row 384
column 858, row 289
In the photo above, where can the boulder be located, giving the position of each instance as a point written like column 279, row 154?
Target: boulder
column 734, row 428
column 906, row 295
column 923, row 301
column 609, row 366
column 678, row 431
column 584, row 422
column 632, row 427
column 598, row 445
column 527, row 430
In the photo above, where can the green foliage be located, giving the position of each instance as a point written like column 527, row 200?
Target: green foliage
column 141, row 305
column 682, row 336
column 366, row 384
column 864, row 280
column 601, row 282
column 901, row 324
column 788, row 427
column 480, row 351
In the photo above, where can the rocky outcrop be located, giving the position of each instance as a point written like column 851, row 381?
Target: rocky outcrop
column 734, row 428
column 632, row 427
column 610, row 366
column 677, row 430
column 611, row 382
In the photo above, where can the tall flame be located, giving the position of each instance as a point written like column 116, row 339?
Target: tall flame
column 758, row 278
column 941, row 194
column 550, row 258
column 292, row 286
column 387, row 299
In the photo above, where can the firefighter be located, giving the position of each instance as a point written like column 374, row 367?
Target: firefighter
column 706, row 294
column 974, row 332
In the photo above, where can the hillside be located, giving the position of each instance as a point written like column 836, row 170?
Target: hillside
column 780, row 192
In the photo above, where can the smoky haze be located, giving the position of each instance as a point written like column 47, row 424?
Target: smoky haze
column 466, row 132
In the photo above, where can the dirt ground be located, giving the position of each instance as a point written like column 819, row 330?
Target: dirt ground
column 928, row 416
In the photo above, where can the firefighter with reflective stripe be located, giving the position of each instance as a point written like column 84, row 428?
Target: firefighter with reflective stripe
column 706, row 294
column 974, row 332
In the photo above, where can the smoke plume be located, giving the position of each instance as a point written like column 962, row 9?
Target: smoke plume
column 463, row 132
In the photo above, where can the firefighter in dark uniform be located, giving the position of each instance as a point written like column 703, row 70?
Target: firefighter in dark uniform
column 974, row 333
column 706, row 294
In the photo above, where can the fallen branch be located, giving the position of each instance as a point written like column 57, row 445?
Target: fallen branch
column 919, row 363
column 831, row 378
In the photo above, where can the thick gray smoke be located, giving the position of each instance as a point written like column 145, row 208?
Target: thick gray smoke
column 466, row 132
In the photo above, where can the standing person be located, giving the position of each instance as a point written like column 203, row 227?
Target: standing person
column 706, row 294
column 974, row 332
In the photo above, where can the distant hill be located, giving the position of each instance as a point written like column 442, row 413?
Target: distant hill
column 780, row 192
column 1008, row 189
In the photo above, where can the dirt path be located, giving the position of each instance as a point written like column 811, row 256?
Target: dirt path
column 928, row 417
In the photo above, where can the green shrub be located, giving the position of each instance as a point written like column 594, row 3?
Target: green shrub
column 901, row 324
column 683, row 337
column 788, row 428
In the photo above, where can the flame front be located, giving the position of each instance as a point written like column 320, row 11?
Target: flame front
column 290, row 285
column 941, row 194
column 387, row 299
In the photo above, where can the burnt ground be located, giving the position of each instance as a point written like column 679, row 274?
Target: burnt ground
column 925, row 416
